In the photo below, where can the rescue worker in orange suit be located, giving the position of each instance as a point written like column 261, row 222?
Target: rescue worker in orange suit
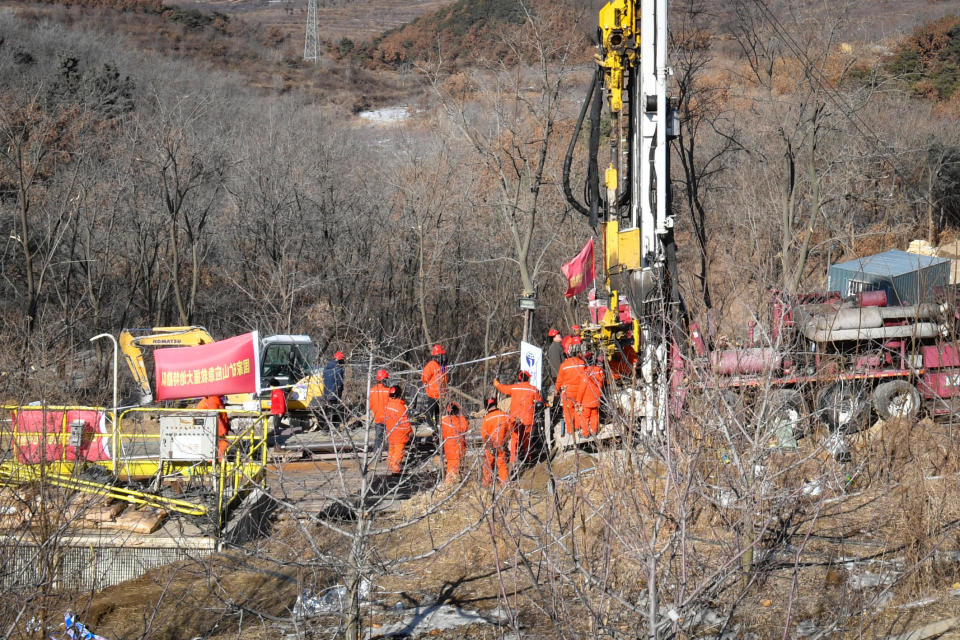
column 379, row 393
column 589, row 396
column 523, row 401
column 495, row 432
column 453, row 428
column 214, row 403
column 568, row 388
column 398, row 429
column 570, row 340
column 435, row 382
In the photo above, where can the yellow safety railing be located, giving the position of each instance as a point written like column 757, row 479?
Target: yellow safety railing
column 43, row 453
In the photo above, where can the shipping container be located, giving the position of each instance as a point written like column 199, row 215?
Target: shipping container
column 907, row 278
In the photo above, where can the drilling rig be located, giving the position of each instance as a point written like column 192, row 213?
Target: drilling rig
column 639, row 315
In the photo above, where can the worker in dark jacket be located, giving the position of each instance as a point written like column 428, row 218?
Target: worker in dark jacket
column 555, row 357
column 332, row 399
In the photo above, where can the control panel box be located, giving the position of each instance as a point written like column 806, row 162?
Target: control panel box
column 188, row 438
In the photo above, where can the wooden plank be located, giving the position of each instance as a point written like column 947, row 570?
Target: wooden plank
column 135, row 521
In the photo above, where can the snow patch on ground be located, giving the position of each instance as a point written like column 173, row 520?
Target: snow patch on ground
column 386, row 116
column 424, row 620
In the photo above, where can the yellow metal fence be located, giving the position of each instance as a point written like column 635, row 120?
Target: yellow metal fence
column 36, row 446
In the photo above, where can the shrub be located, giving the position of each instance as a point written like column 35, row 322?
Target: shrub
column 928, row 60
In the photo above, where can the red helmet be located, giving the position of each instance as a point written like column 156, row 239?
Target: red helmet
column 382, row 375
column 339, row 356
column 575, row 327
column 576, row 340
column 438, row 350
column 491, row 403
column 552, row 332
column 394, row 392
column 523, row 376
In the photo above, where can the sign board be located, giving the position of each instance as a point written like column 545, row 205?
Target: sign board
column 216, row 369
column 531, row 361
column 188, row 438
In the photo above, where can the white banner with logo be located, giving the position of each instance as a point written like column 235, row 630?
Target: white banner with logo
column 531, row 361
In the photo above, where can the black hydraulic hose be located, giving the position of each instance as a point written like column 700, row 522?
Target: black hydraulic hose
column 568, row 159
column 593, row 173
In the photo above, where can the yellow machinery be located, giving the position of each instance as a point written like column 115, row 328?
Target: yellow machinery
column 286, row 361
column 131, row 342
column 171, row 450
column 58, row 446
column 631, row 201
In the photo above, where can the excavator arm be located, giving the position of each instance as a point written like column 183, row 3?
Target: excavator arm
column 132, row 340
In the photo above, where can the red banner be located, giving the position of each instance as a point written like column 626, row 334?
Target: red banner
column 216, row 369
column 580, row 271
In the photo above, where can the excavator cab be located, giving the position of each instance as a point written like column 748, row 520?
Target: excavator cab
column 285, row 359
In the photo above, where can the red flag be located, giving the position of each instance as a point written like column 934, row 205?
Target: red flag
column 216, row 369
column 580, row 271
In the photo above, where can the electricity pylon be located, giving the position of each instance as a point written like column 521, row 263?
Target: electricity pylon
column 310, row 46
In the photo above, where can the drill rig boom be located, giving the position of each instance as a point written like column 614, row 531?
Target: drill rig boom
column 632, row 204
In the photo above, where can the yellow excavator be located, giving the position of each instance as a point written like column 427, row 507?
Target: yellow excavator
column 286, row 361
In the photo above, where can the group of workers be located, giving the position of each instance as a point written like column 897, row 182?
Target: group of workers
column 577, row 385
column 506, row 436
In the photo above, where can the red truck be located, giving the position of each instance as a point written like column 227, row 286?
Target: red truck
column 844, row 358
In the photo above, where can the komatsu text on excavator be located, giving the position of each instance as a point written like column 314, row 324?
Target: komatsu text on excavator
column 632, row 204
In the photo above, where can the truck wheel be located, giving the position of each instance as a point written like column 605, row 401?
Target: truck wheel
column 844, row 406
column 732, row 406
column 787, row 416
column 896, row 399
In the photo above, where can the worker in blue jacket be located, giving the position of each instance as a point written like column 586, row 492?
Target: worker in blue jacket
column 331, row 412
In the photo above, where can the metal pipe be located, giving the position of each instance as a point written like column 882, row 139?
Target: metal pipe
column 660, row 160
column 113, row 444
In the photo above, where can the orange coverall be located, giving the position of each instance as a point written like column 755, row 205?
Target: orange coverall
column 223, row 422
column 434, row 380
column 454, row 432
column 398, row 432
column 379, row 395
column 568, row 388
column 495, row 431
column 589, row 395
column 523, row 397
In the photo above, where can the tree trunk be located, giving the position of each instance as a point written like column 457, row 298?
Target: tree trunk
column 175, row 271
column 804, row 252
column 933, row 228
column 23, row 193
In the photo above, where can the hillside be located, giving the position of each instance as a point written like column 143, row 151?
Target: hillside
column 469, row 31
column 356, row 20
column 929, row 59
column 268, row 57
